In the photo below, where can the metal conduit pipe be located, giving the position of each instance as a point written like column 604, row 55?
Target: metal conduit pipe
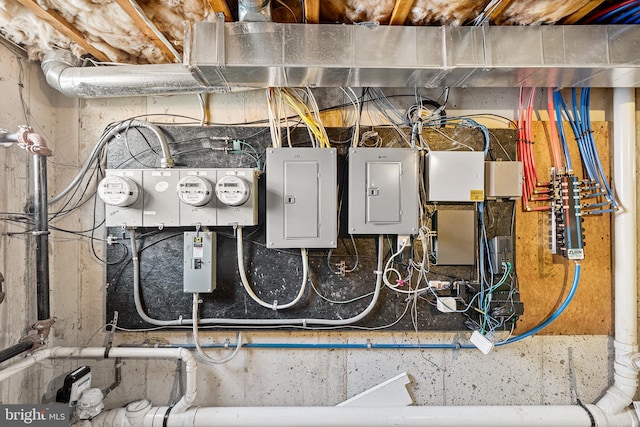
column 254, row 10
column 165, row 162
column 620, row 395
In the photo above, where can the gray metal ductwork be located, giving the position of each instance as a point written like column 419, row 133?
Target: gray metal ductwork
column 254, row 10
column 221, row 57
column 259, row 54
column 61, row 72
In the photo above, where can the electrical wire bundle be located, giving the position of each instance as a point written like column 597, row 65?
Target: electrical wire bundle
column 279, row 98
column 531, row 185
column 580, row 121
column 627, row 12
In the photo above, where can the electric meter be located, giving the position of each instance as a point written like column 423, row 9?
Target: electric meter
column 117, row 190
column 195, row 190
column 232, row 190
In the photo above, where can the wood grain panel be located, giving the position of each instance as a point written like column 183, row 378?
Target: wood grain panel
column 545, row 279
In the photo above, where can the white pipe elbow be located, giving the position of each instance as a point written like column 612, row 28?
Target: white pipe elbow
column 191, row 390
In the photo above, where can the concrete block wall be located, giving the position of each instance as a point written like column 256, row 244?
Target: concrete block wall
column 539, row 370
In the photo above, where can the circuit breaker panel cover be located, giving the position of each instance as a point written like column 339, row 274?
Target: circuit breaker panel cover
column 301, row 198
column 383, row 190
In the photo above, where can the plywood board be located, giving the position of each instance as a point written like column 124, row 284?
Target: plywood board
column 545, row 279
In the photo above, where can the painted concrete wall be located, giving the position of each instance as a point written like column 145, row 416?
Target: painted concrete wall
column 538, row 370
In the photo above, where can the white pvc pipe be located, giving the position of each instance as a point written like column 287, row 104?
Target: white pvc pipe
column 621, row 393
column 432, row 416
column 115, row 352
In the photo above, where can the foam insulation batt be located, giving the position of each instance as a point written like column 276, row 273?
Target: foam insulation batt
column 106, row 26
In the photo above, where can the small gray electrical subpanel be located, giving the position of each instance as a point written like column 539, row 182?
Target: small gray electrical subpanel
column 503, row 180
column 130, row 215
column 383, row 191
column 199, row 261
column 301, row 198
column 454, row 176
column 500, row 250
column 455, row 243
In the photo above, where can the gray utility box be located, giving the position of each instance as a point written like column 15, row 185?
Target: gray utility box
column 455, row 243
column 454, row 176
column 199, row 261
column 301, row 198
column 160, row 204
column 383, row 191
column 503, row 180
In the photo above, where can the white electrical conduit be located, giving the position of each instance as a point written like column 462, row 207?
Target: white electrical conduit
column 620, row 395
column 252, row 294
column 253, row 322
column 117, row 352
column 205, row 357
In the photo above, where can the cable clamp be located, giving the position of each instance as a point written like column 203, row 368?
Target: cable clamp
column 41, row 233
column 377, row 272
column 274, row 307
column 369, row 345
column 180, row 318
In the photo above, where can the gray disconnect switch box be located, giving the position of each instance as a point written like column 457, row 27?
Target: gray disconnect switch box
column 199, row 261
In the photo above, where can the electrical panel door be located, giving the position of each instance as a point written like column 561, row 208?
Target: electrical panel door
column 383, row 191
column 301, row 198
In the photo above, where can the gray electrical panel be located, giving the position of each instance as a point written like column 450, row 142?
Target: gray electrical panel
column 455, row 243
column 125, row 216
column 199, row 261
column 160, row 204
column 301, row 198
column 383, row 191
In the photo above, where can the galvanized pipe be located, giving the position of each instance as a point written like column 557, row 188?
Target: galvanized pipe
column 15, row 350
column 41, row 234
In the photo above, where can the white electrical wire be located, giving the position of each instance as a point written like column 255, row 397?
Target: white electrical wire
column 252, row 294
column 204, row 356
column 303, row 323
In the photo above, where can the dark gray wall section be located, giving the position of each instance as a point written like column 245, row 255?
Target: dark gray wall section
column 275, row 274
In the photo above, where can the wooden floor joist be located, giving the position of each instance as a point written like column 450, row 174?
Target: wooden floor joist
column 497, row 11
column 582, row 12
column 400, row 12
column 54, row 19
column 221, row 6
column 312, row 11
column 139, row 18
